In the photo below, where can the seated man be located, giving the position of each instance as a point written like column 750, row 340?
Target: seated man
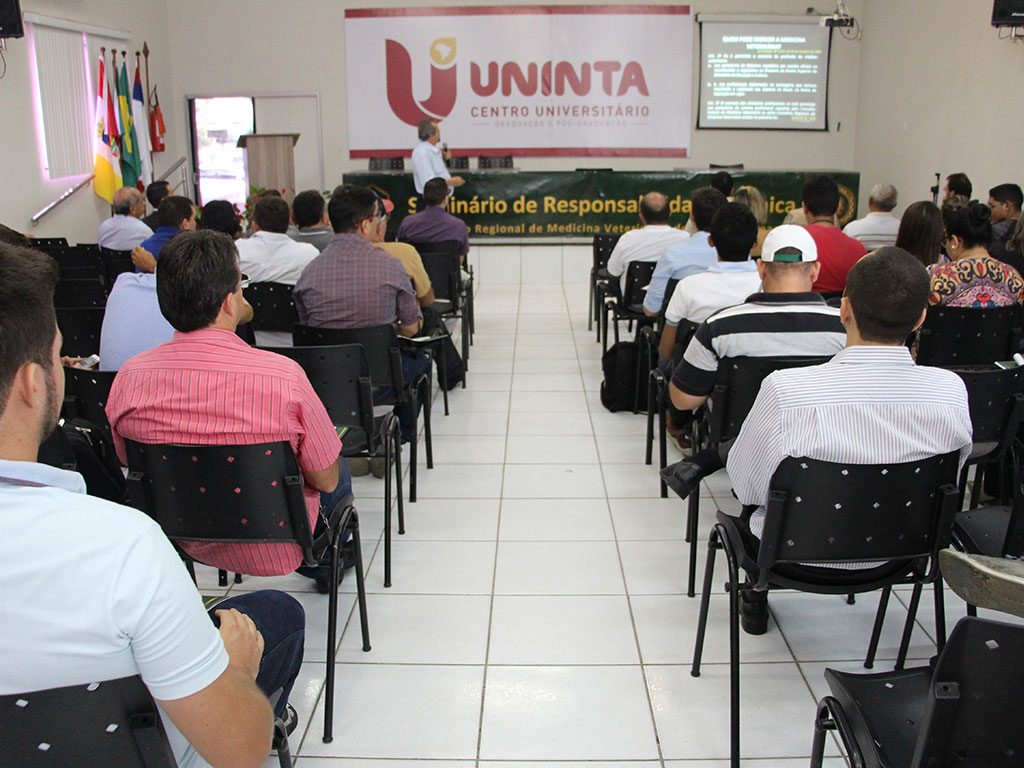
column 434, row 224
column 352, row 284
column 881, row 225
column 836, row 252
column 124, row 230
column 132, row 322
column 268, row 255
column 649, row 242
column 690, row 257
column 1005, row 201
column 870, row 404
column 176, row 214
column 786, row 319
column 208, row 387
column 727, row 282
column 309, row 212
column 93, row 591
column 155, row 193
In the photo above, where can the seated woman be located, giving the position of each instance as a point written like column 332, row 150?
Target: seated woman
column 972, row 278
column 920, row 232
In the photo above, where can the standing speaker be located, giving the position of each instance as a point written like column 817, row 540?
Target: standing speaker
column 10, row 19
column 1008, row 13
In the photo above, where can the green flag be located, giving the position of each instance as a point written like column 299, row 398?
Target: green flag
column 131, row 162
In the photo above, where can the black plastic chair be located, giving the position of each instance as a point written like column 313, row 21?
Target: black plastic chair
column 79, row 263
column 80, row 327
column 829, row 514
column 84, row 292
column 244, row 494
column 442, row 262
column 114, row 264
column 964, row 712
column 86, row 394
column 273, row 307
column 383, row 353
column 957, row 336
column 648, row 337
column 340, row 376
column 50, row 245
column 99, row 725
column 602, row 250
column 658, row 396
column 718, row 423
column 630, row 307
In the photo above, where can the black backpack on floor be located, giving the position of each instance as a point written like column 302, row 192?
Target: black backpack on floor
column 619, row 389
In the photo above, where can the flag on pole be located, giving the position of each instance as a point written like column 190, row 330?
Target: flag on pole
column 106, row 164
column 131, row 164
column 141, row 126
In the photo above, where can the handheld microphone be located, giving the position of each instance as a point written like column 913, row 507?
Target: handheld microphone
column 444, row 151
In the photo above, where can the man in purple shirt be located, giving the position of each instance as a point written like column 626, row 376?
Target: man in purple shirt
column 353, row 284
column 434, row 223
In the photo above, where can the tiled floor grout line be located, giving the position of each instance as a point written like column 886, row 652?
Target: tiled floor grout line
column 618, row 552
column 497, row 544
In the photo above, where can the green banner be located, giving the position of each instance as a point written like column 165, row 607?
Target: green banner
column 527, row 204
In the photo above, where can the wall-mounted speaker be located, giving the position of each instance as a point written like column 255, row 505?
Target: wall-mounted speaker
column 10, row 19
column 1008, row 13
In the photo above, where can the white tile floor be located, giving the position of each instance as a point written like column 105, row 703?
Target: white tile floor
column 538, row 611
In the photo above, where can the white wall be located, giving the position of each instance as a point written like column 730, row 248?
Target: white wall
column 267, row 45
column 939, row 92
column 26, row 188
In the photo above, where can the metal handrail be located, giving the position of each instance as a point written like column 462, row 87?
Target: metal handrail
column 64, row 196
column 180, row 162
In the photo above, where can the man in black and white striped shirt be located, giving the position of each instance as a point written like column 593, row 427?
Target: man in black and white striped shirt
column 870, row 404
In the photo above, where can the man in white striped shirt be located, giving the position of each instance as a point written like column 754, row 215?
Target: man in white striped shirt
column 870, row 404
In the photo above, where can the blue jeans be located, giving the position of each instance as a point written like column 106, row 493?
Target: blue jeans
column 282, row 622
column 413, row 364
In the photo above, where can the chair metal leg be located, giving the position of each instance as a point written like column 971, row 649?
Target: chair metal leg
column 590, row 303
column 876, row 631
column 357, row 549
column 397, row 439
column 940, row 614
column 391, row 453
column 412, row 460
column 851, row 599
column 604, row 327
column 425, row 395
column 465, row 339
column 972, row 610
column 191, row 568
column 714, row 544
column 734, row 654
column 662, row 436
column 332, row 632
column 280, row 743
column 692, row 518
column 442, row 376
column 979, row 481
column 908, row 628
column 651, row 409
column 822, row 725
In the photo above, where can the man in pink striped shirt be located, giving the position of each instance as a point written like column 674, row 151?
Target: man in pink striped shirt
column 208, row 387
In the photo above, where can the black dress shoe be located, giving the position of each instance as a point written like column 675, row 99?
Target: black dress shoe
column 683, row 477
column 754, row 612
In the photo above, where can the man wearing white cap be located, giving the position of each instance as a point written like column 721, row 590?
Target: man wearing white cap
column 786, row 319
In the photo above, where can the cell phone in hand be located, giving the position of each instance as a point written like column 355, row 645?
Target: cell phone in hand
column 88, row 362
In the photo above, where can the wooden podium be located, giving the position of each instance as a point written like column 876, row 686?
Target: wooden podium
column 270, row 161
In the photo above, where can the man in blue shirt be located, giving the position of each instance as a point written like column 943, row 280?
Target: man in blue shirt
column 428, row 158
column 175, row 214
column 688, row 258
column 132, row 322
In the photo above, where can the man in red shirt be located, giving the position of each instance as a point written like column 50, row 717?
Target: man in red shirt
column 208, row 387
column 837, row 252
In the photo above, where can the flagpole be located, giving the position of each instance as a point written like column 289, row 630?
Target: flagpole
column 149, row 108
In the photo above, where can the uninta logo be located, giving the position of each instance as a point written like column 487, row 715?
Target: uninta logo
column 442, row 81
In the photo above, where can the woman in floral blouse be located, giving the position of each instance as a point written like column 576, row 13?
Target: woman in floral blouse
column 972, row 278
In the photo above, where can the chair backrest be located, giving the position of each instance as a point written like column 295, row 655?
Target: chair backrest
column 115, row 263
column 736, row 387
column 638, row 277
column 441, row 260
column 223, row 493
column 81, row 330
column 972, row 715
column 79, row 262
column 603, row 247
column 996, row 399
column 99, row 725
column 670, row 288
column 273, row 306
column 834, row 512
column 50, row 245
column 379, row 342
column 954, row 336
column 86, row 394
column 340, row 377
column 84, row 292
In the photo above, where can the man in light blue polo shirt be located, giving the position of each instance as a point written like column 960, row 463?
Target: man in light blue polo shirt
column 428, row 159
column 688, row 258
column 132, row 322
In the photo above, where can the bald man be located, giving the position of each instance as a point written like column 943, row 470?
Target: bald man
column 125, row 230
column 648, row 242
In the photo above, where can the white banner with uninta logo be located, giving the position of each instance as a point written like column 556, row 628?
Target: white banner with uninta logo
column 521, row 80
